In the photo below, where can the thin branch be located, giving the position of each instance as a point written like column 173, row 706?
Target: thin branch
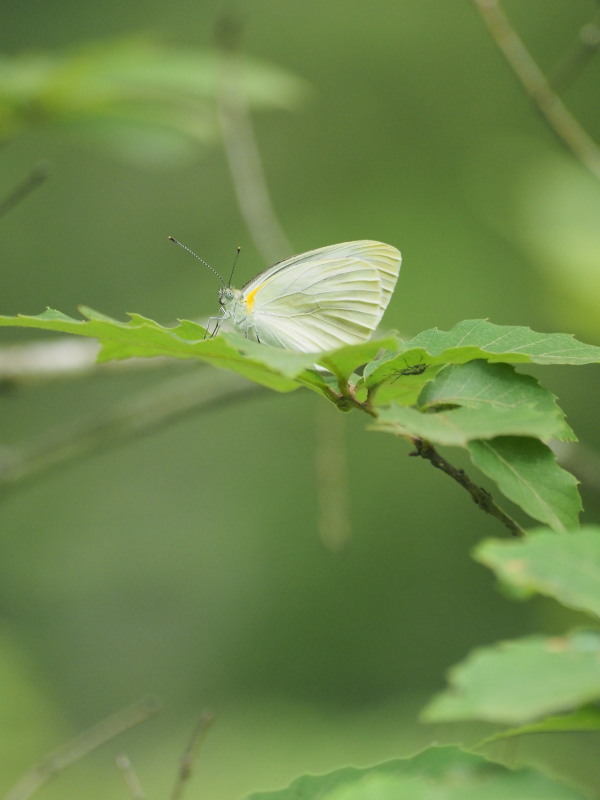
column 535, row 83
column 79, row 747
column 480, row 496
column 36, row 177
column 242, row 152
column 136, row 416
column 191, row 752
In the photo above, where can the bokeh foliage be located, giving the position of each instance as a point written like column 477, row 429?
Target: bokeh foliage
column 189, row 563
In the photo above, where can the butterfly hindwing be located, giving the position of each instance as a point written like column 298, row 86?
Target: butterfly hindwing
column 324, row 298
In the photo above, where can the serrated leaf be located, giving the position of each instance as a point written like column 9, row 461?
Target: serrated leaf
column 566, row 568
column 140, row 337
column 481, row 385
column 526, row 472
column 284, row 370
column 459, row 426
column 438, row 773
column 144, row 338
column 478, row 338
column 583, row 720
column 521, row 681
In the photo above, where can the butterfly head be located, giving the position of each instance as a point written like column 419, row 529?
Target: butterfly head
column 226, row 295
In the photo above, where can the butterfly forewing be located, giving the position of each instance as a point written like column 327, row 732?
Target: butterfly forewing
column 319, row 300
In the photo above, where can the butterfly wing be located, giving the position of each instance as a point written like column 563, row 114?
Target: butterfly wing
column 325, row 298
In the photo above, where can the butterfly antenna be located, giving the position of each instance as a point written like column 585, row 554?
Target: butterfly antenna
column 206, row 264
column 235, row 260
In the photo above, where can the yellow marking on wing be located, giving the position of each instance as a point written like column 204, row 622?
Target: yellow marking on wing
column 252, row 296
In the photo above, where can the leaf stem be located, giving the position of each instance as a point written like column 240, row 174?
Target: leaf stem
column 482, row 498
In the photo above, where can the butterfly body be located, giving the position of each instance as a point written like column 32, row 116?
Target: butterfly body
column 318, row 300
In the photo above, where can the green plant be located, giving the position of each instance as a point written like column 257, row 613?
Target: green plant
column 460, row 389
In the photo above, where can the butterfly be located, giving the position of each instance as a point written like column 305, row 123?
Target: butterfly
column 315, row 301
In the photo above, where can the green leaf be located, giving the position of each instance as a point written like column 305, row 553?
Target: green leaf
column 459, row 426
column 566, row 568
column 478, row 338
column 147, row 101
column 583, row 720
column 438, row 773
column 526, row 472
column 521, row 785
column 499, row 415
column 481, row 385
column 398, row 379
column 140, row 337
column 144, row 338
column 536, row 413
column 519, row 681
column 393, row 365
column 346, row 360
column 288, row 363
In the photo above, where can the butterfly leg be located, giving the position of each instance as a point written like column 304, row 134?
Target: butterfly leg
column 250, row 332
column 217, row 321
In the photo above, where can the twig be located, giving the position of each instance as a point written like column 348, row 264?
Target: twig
column 588, row 42
column 36, row 177
column 564, row 124
column 190, row 754
column 132, row 782
column 133, row 417
column 242, row 151
column 79, row 747
column 480, row 496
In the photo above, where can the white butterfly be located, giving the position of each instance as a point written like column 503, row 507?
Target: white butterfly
column 318, row 300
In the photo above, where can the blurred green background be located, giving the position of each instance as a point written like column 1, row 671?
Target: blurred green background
column 189, row 564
